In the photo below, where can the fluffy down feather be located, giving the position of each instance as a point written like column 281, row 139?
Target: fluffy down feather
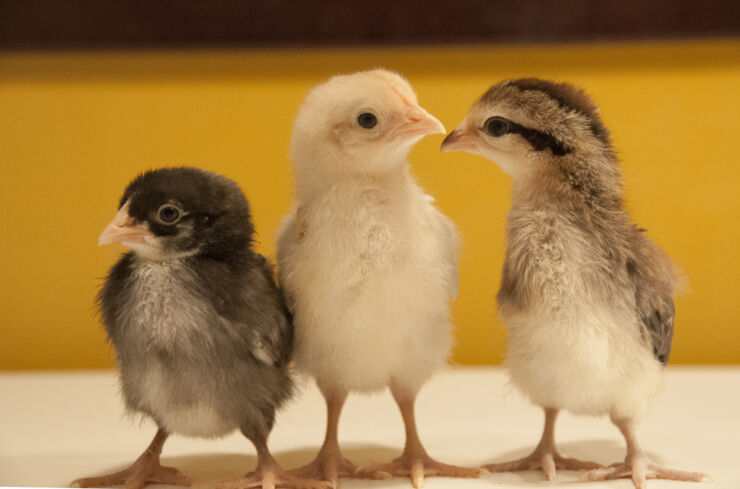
column 369, row 279
column 366, row 260
column 201, row 331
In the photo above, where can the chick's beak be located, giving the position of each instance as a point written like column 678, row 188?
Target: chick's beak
column 419, row 122
column 123, row 229
column 461, row 139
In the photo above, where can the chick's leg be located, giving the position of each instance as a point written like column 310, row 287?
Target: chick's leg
column 637, row 465
column 329, row 465
column 414, row 462
column 145, row 470
column 269, row 475
column 545, row 456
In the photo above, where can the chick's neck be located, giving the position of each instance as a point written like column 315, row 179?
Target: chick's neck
column 390, row 184
column 593, row 186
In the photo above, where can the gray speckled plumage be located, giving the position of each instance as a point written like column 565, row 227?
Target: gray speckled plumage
column 202, row 335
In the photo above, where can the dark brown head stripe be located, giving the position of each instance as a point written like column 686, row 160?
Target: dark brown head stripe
column 568, row 97
column 538, row 139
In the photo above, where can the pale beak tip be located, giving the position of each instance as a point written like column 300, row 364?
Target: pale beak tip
column 105, row 237
column 448, row 142
column 436, row 126
column 423, row 123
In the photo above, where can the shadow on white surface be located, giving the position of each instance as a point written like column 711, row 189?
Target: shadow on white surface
column 604, row 452
column 599, row 451
column 206, row 470
column 56, row 427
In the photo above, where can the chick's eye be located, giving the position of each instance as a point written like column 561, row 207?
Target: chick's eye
column 169, row 214
column 367, row 120
column 496, row 126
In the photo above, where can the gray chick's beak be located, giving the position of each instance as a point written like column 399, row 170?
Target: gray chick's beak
column 461, row 139
column 123, row 229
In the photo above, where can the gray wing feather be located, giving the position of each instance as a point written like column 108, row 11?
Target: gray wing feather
column 655, row 308
column 262, row 324
column 660, row 326
column 276, row 340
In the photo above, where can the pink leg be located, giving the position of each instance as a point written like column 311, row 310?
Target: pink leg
column 637, row 465
column 145, row 470
column 414, row 462
column 545, row 456
column 269, row 475
column 329, row 465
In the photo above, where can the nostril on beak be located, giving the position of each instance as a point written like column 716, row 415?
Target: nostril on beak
column 454, row 134
column 415, row 115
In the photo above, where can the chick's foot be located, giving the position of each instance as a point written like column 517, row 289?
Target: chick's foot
column 549, row 461
column 271, row 477
column 329, row 466
column 637, row 465
column 140, row 474
column 416, row 465
column 545, row 457
column 414, row 462
column 146, row 470
column 639, row 469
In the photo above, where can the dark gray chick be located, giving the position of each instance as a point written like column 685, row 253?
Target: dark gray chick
column 587, row 297
column 200, row 329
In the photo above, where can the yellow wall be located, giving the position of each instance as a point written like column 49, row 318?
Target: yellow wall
column 75, row 127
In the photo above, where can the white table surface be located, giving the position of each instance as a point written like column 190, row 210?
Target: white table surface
column 57, row 426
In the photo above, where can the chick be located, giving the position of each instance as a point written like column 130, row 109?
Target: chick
column 201, row 332
column 367, row 262
column 587, row 297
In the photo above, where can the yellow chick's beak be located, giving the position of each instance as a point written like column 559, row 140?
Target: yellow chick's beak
column 461, row 139
column 419, row 122
column 123, row 229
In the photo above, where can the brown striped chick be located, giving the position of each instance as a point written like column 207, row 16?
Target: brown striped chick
column 586, row 296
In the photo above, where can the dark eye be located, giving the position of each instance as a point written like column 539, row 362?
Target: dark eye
column 496, row 126
column 169, row 214
column 367, row 120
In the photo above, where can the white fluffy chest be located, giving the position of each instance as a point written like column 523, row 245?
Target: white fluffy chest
column 371, row 284
column 370, row 226
column 375, row 247
column 347, row 241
